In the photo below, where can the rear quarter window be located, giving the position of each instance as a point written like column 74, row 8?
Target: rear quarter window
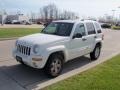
column 98, row 27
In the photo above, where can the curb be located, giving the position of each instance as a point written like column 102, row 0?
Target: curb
column 71, row 73
column 4, row 39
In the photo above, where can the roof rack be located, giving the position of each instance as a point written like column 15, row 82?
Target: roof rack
column 88, row 19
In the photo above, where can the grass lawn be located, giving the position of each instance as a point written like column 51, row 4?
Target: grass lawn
column 116, row 27
column 17, row 32
column 105, row 76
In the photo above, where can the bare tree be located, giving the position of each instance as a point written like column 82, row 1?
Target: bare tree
column 69, row 15
column 45, row 12
column 33, row 17
column 51, row 12
column 42, row 16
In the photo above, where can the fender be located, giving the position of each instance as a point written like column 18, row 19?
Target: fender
column 98, row 40
column 56, row 49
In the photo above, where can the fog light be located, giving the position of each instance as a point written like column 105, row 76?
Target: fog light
column 37, row 59
column 35, row 65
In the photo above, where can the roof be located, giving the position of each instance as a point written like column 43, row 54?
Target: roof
column 67, row 21
column 74, row 21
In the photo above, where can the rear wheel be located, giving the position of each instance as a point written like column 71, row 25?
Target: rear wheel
column 54, row 65
column 96, row 53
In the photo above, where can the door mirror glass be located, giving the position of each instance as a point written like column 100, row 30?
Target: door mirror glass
column 78, row 35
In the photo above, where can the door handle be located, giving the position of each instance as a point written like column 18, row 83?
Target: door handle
column 84, row 39
column 95, row 36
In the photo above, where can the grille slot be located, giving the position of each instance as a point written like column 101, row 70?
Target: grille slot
column 23, row 49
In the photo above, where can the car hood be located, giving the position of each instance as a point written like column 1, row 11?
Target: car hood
column 40, row 38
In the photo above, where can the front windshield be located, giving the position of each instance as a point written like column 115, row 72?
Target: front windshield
column 59, row 28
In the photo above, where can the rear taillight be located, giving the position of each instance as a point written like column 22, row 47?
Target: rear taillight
column 102, row 36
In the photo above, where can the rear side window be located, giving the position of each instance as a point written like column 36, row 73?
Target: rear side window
column 90, row 28
column 98, row 28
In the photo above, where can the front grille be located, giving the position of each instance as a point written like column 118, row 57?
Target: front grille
column 23, row 49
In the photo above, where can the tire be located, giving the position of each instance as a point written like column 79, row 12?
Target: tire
column 54, row 66
column 96, row 53
column 22, row 63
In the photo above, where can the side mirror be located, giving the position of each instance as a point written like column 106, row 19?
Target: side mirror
column 78, row 35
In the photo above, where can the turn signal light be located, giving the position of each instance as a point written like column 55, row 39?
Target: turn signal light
column 37, row 59
column 103, row 37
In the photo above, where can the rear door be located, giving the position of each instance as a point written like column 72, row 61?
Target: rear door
column 91, row 37
column 99, row 31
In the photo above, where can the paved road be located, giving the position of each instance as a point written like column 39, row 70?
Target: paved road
column 14, row 76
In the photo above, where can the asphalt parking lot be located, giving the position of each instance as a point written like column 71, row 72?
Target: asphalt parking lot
column 14, row 76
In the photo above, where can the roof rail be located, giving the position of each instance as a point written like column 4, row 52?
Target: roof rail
column 88, row 19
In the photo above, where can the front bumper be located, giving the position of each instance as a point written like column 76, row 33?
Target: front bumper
column 32, row 61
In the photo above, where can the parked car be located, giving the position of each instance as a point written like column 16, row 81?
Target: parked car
column 16, row 22
column 105, row 25
column 58, row 43
column 21, row 22
column 118, row 24
column 8, row 22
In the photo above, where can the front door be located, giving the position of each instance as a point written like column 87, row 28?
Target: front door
column 78, row 45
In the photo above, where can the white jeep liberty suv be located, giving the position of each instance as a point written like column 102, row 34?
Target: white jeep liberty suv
column 58, row 43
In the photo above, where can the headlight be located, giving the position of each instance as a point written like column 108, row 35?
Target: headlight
column 36, row 49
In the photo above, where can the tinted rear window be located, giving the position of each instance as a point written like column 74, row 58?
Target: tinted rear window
column 90, row 28
column 97, row 26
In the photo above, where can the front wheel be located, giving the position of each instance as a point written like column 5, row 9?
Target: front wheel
column 54, row 66
column 96, row 53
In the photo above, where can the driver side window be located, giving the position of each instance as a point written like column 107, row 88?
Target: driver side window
column 80, row 29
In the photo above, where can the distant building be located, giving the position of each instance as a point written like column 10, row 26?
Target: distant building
column 19, row 17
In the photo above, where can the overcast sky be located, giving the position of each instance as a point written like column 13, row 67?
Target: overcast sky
column 82, row 7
